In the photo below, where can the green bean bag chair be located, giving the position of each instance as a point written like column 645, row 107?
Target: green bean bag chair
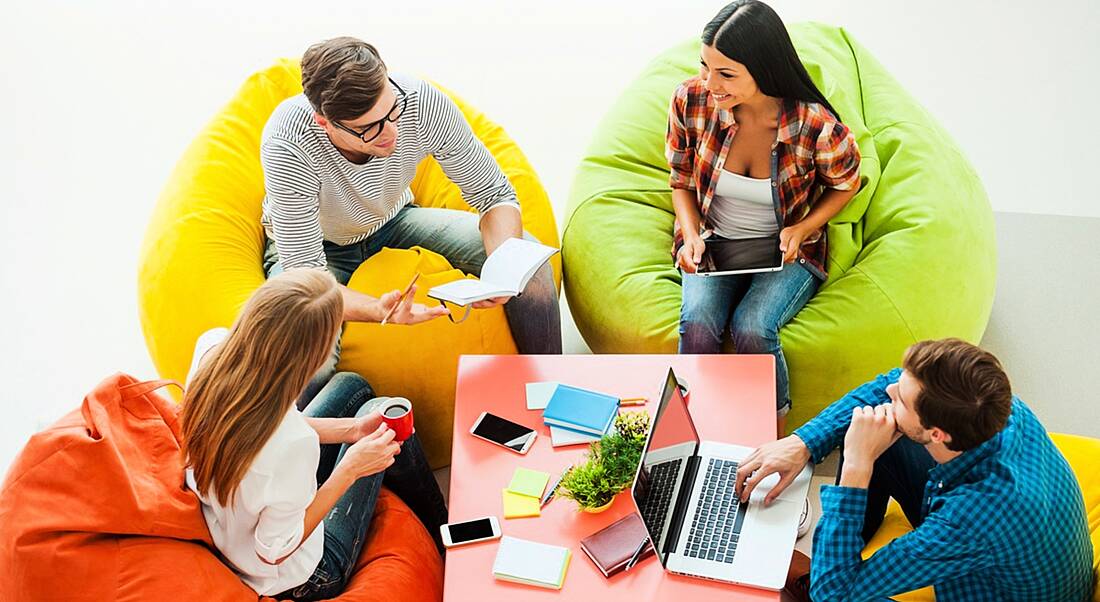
column 911, row 257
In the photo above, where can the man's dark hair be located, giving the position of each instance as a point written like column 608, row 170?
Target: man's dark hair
column 964, row 390
column 343, row 77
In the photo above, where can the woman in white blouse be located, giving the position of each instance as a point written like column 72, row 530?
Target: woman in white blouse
column 256, row 461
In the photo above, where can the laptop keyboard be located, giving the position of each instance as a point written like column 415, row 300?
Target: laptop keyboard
column 716, row 526
column 662, row 479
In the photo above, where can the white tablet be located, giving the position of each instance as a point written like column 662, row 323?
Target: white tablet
column 724, row 257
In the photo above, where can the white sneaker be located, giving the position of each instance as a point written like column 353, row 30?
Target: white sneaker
column 806, row 520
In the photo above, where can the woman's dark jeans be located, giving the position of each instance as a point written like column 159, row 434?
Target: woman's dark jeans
column 346, row 525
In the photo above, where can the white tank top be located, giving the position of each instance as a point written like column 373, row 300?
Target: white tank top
column 742, row 207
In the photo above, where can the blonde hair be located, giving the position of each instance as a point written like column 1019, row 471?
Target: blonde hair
column 246, row 385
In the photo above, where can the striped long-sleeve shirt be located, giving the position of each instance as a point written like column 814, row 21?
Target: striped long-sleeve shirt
column 313, row 193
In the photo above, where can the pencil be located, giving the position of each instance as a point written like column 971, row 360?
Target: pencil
column 633, row 401
column 400, row 299
column 549, row 495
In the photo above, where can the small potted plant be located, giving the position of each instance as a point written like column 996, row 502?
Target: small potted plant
column 609, row 466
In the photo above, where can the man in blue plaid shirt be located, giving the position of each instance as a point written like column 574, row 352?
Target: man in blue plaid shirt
column 997, row 513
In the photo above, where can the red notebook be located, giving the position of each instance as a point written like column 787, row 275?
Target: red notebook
column 611, row 548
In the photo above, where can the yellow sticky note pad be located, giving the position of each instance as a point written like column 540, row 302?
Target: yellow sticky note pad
column 519, row 506
column 528, row 482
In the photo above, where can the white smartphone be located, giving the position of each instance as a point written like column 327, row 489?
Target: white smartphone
column 504, row 433
column 471, row 531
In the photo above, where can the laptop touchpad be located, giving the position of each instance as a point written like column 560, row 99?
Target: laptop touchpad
column 767, row 540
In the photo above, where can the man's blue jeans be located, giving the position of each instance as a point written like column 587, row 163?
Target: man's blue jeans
column 752, row 307
column 901, row 472
column 346, row 525
column 533, row 316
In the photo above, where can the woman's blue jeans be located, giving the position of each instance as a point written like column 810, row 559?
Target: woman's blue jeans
column 346, row 525
column 751, row 308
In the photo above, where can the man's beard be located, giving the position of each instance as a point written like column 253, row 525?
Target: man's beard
column 918, row 436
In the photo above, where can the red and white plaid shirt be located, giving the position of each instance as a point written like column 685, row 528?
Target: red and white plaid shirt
column 813, row 150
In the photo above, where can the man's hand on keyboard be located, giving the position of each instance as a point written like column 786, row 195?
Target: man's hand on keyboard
column 787, row 456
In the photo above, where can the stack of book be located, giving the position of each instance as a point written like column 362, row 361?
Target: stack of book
column 531, row 563
column 577, row 415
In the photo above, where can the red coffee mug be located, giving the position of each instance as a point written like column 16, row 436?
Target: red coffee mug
column 397, row 413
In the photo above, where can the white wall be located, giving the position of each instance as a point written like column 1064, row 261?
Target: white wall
column 1044, row 327
column 102, row 97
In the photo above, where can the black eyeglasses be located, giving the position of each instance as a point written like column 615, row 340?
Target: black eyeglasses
column 374, row 129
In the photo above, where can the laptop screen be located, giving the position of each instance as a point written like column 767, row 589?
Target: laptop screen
column 672, row 441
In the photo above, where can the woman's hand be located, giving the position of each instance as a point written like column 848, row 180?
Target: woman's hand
column 402, row 310
column 373, row 453
column 362, row 427
column 790, row 241
column 369, row 455
column 691, row 253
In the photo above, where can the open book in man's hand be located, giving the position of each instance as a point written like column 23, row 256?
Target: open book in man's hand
column 505, row 273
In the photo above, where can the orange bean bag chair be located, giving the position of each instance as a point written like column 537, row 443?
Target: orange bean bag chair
column 94, row 508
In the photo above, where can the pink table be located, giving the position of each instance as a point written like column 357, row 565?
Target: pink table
column 732, row 399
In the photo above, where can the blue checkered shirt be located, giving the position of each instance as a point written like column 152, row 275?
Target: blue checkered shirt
column 1004, row 521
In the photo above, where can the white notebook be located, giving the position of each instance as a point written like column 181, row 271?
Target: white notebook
column 505, row 274
column 531, row 563
column 539, row 394
column 560, row 437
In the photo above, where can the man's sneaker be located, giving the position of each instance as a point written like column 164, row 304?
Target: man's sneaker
column 806, row 520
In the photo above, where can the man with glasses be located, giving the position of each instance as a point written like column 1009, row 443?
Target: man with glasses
column 338, row 160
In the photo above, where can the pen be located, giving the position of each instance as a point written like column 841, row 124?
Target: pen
column 549, row 495
column 637, row 554
column 633, row 401
column 400, row 299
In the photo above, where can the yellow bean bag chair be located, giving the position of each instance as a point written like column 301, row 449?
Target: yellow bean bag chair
column 1082, row 454
column 201, row 259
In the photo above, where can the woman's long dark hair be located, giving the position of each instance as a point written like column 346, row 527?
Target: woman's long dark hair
column 749, row 32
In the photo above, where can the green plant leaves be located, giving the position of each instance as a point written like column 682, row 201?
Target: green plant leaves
column 610, row 464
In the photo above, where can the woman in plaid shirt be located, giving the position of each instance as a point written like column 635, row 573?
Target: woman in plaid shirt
column 755, row 150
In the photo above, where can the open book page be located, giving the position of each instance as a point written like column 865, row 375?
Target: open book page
column 514, row 263
column 466, row 291
column 505, row 273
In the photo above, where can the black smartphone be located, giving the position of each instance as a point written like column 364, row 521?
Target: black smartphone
column 503, row 432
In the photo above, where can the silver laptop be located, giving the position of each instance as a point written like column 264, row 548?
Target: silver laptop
column 724, row 257
column 684, row 492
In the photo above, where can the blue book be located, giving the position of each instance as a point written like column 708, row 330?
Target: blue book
column 581, row 410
